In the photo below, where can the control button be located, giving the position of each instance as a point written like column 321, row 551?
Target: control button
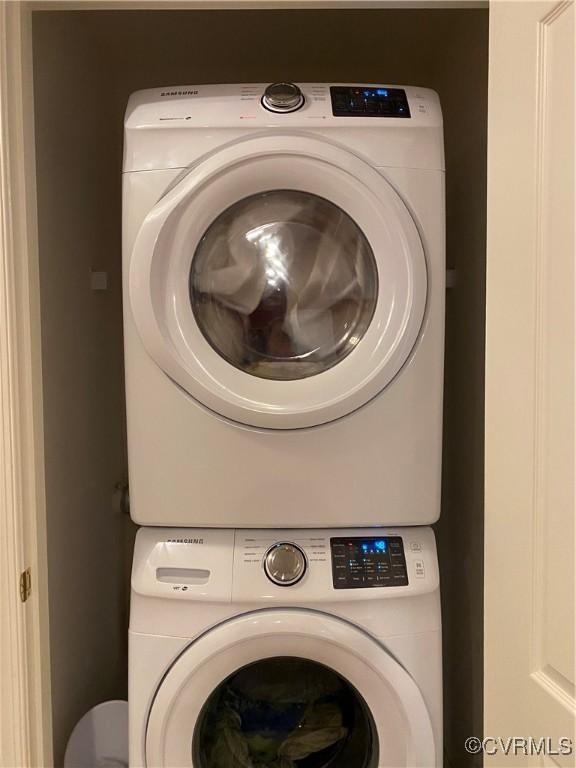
column 415, row 546
column 285, row 564
column 282, row 97
column 399, row 108
column 419, row 568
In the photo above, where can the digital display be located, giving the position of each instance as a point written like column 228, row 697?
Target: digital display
column 372, row 547
column 375, row 92
column 368, row 562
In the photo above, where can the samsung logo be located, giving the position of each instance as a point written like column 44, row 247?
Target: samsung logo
column 179, row 93
column 185, row 541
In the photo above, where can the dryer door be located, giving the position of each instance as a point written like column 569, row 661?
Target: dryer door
column 281, row 282
column 288, row 689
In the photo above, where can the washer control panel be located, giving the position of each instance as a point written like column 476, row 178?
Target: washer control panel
column 285, row 564
column 374, row 561
column 367, row 101
column 287, row 567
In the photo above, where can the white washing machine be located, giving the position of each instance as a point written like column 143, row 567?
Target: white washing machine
column 285, row 649
column 284, row 305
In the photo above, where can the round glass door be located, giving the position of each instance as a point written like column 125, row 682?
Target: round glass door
column 285, row 712
column 281, row 283
column 284, row 285
column 287, row 689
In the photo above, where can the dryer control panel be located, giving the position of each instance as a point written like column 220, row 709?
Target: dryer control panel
column 409, row 130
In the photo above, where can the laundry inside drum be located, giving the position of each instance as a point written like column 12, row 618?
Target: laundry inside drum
column 284, row 285
column 285, row 712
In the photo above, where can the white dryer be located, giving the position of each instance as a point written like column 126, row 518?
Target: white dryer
column 288, row 649
column 284, row 305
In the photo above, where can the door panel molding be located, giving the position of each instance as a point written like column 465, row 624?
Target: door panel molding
column 553, row 279
column 529, row 532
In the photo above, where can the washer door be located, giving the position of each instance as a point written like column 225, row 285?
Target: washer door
column 288, row 689
column 281, row 282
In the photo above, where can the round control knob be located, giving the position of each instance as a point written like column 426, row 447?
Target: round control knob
column 285, row 564
column 282, row 97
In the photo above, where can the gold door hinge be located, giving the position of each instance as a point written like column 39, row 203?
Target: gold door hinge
column 25, row 585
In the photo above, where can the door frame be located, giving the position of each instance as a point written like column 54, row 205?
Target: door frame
column 25, row 705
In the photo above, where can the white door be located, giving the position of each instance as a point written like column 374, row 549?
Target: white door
column 281, row 282
column 288, row 687
column 529, row 564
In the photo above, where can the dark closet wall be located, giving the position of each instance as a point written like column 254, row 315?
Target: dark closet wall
column 86, row 64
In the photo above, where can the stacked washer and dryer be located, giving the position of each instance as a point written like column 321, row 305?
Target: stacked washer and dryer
column 284, row 321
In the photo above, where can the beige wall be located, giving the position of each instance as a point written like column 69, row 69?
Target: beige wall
column 86, row 65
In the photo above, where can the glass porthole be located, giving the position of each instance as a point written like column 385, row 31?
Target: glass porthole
column 285, row 712
column 283, row 285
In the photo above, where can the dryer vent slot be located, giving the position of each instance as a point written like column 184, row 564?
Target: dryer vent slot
column 183, row 575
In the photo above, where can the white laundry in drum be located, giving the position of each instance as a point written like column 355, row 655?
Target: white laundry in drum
column 284, row 278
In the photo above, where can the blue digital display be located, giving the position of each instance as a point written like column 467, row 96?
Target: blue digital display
column 376, row 92
column 374, row 546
